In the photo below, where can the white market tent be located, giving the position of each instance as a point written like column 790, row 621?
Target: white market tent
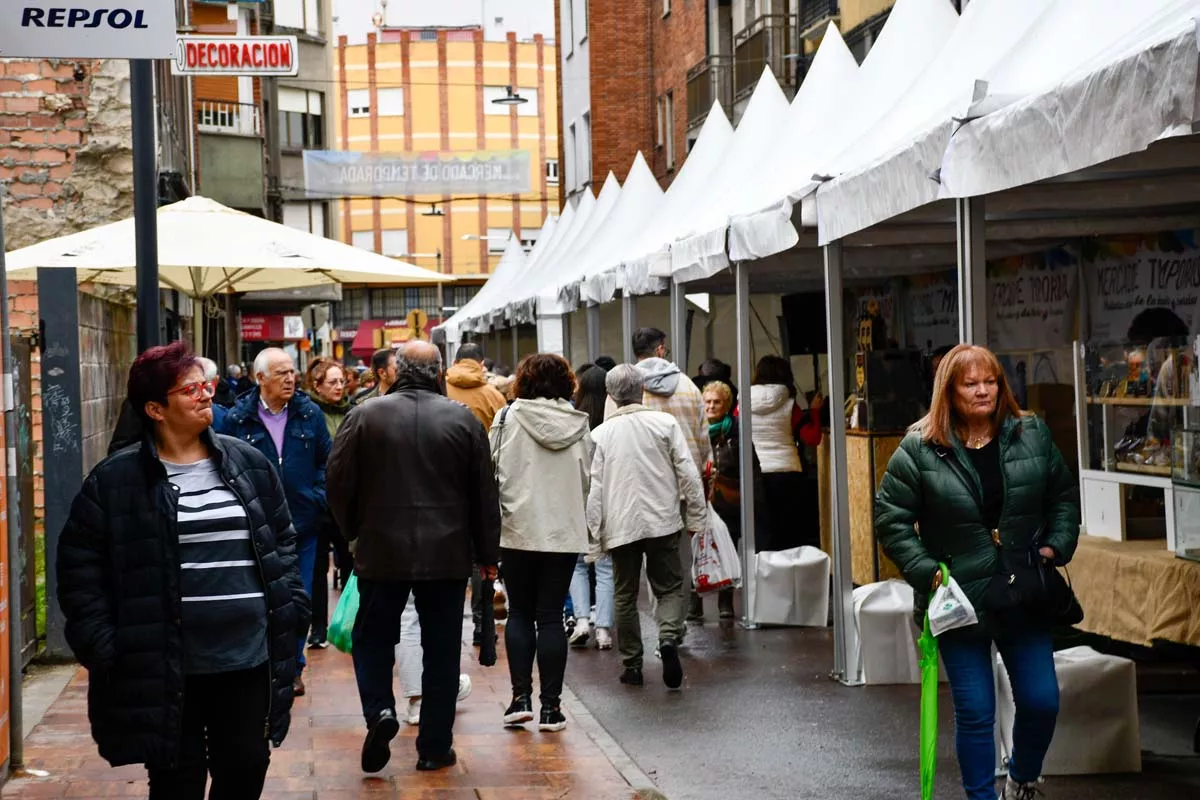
column 915, row 32
column 647, row 251
column 888, row 170
column 205, row 248
column 512, row 263
column 1096, row 80
column 700, row 251
column 640, row 197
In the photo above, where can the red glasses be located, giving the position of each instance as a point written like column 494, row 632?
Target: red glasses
column 196, row 391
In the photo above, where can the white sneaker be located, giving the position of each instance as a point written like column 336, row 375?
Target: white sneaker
column 579, row 636
column 603, row 639
column 464, row 687
column 414, row 711
column 1021, row 791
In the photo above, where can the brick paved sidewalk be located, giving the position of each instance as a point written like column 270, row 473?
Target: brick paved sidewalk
column 320, row 759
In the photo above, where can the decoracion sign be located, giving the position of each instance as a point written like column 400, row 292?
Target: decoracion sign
column 932, row 311
column 1031, row 301
column 235, row 55
column 339, row 173
column 1129, row 276
column 87, row 29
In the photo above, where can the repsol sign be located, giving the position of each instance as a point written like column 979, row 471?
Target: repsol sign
column 116, row 18
column 126, row 29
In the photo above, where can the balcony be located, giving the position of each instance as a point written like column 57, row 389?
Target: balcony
column 708, row 81
column 765, row 42
column 235, row 119
column 815, row 15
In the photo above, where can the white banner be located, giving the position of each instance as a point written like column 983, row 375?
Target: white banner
column 1124, row 284
column 1031, row 302
column 127, row 29
column 932, row 309
column 335, row 173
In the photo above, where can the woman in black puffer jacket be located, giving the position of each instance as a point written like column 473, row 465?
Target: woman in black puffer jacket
column 177, row 575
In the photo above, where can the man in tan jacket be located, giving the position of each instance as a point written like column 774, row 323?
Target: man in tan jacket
column 467, row 383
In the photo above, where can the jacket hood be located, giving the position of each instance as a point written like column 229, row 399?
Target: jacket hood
column 768, row 398
column 553, row 424
column 466, row 375
column 662, row 377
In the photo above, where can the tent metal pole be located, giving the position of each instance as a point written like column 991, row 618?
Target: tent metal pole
column 145, row 201
column 516, row 347
column 628, row 324
column 746, row 452
column 678, row 325
column 593, row 332
column 972, row 270
column 845, row 636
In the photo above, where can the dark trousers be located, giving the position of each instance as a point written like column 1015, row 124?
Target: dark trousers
column 537, row 585
column 224, row 735
column 376, row 633
column 664, row 572
column 328, row 537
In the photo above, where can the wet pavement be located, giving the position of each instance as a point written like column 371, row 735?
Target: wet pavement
column 320, row 759
column 759, row 718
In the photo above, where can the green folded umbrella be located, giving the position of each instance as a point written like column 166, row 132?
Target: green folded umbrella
column 929, row 700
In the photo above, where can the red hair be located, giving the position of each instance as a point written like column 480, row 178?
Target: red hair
column 156, row 371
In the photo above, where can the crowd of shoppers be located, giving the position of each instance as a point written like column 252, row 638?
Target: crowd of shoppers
column 577, row 484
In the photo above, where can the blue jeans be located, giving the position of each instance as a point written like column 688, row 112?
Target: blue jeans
column 1029, row 658
column 581, row 591
column 306, row 554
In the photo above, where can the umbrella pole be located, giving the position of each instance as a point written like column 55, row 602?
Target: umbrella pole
column 145, row 201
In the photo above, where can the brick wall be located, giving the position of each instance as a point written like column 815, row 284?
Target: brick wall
column 677, row 41
column 65, row 147
column 622, row 105
column 107, row 347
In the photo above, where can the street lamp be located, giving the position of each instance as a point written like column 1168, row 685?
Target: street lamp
column 433, row 211
column 510, row 98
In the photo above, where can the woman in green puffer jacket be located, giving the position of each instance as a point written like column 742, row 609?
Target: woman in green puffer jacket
column 974, row 471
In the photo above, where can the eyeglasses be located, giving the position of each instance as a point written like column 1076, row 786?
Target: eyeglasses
column 335, row 382
column 197, row 390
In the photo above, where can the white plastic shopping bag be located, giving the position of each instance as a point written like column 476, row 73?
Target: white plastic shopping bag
column 715, row 562
column 950, row 609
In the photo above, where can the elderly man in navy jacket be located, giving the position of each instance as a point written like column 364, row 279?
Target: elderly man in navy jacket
column 289, row 429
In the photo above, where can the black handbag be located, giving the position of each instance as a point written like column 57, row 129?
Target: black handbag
column 1029, row 587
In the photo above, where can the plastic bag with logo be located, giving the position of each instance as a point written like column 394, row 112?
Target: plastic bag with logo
column 715, row 562
column 950, row 607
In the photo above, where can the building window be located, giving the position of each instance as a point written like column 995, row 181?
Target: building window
column 391, row 102
column 358, row 101
column 670, row 132
column 350, row 312
column 583, row 19
column 552, row 172
column 299, row 15
column 529, row 238
column 660, row 125
column 585, row 148
column 572, row 151
column 301, row 120
column 388, row 303
column 497, row 240
column 363, row 239
column 526, row 109
column 666, row 7
column 395, row 242
column 459, row 296
column 568, row 23
column 308, row 217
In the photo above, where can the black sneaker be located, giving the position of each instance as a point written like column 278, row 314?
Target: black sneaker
column 552, row 720
column 449, row 759
column 520, row 712
column 632, row 676
column 375, row 750
column 672, row 669
column 317, row 642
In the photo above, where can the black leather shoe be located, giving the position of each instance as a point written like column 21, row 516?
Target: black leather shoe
column 632, row 677
column 440, row 762
column 672, row 669
column 375, row 750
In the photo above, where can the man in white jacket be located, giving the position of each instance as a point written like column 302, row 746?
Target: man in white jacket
column 641, row 468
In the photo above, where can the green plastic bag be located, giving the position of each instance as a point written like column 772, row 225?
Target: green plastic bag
column 929, row 701
column 342, row 625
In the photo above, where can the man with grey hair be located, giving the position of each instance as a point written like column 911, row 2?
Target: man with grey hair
column 410, row 481
column 641, row 468
column 211, row 374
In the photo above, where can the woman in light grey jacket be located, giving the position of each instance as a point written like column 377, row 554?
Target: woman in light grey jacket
column 542, row 451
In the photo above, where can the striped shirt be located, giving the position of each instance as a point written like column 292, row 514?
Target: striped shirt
column 224, row 604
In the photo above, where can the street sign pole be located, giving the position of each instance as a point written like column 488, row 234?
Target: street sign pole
column 145, row 202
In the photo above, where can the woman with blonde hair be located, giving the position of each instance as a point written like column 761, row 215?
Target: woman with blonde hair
column 979, row 486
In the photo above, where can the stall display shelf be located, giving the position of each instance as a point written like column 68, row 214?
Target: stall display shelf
column 1145, row 402
column 1144, row 469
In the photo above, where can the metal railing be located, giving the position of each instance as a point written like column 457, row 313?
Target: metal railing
column 707, row 81
column 815, row 13
column 765, row 42
column 221, row 116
